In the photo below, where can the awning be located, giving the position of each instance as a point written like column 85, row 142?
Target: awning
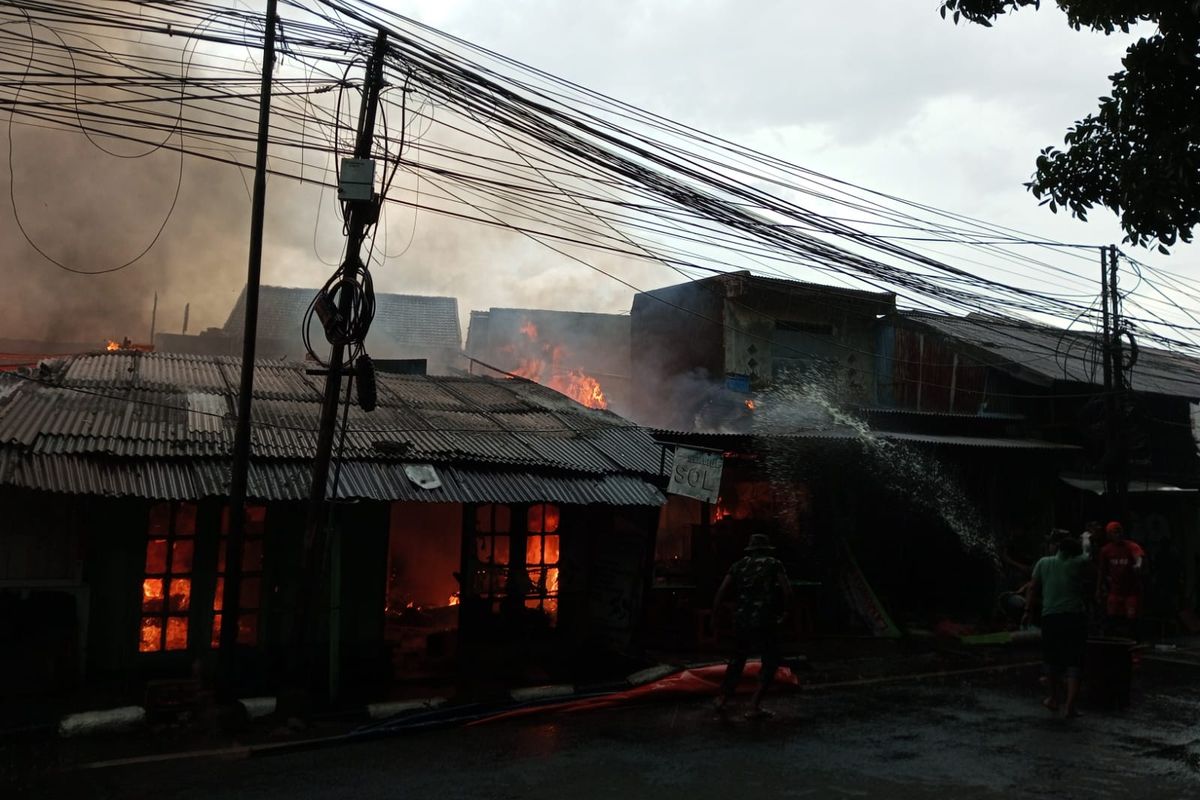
column 727, row 440
column 975, row 441
column 287, row 480
column 1096, row 486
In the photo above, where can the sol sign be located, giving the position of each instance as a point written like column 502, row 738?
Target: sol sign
column 696, row 473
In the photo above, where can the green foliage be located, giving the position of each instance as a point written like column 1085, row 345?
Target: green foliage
column 1139, row 153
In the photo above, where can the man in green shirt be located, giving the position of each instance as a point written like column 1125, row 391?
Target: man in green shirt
column 1057, row 589
column 763, row 593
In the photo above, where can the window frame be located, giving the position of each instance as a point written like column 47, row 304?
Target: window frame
column 544, row 589
column 253, row 531
column 170, row 538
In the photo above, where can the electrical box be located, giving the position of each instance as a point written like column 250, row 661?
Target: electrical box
column 357, row 179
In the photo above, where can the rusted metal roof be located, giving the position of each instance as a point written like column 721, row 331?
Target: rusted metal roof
column 161, row 425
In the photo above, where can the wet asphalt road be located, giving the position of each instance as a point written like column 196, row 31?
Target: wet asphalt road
column 896, row 741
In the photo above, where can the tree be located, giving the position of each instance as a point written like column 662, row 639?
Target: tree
column 1139, row 154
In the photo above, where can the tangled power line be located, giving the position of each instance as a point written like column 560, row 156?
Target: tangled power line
column 486, row 140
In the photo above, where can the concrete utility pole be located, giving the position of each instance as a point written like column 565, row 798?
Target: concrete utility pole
column 361, row 214
column 1121, row 462
column 1116, row 477
column 241, row 443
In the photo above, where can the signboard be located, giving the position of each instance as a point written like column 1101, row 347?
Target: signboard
column 696, row 473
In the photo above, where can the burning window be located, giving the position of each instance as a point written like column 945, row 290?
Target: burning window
column 493, row 527
column 541, row 558
column 167, row 585
column 250, row 593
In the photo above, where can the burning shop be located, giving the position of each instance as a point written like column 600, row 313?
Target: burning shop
column 479, row 525
column 871, row 517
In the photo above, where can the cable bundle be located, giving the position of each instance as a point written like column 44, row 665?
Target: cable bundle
column 490, row 141
column 353, row 278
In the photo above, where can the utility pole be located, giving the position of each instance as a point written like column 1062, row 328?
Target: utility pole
column 361, row 214
column 1116, row 479
column 241, row 444
column 1121, row 455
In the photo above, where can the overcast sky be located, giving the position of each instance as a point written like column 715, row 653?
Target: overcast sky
column 879, row 92
column 883, row 93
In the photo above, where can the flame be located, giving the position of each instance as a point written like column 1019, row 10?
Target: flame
column 151, row 635
column 112, row 346
column 721, row 510
column 454, row 600
column 580, row 387
column 542, row 362
column 750, row 404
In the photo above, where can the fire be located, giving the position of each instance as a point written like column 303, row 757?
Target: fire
column 580, row 387
column 750, row 405
column 453, row 601
column 542, row 362
column 112, row 346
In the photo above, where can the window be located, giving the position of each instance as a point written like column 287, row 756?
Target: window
column 167, row 585
column 541, row 558
column 493, row 528
column 250, row 595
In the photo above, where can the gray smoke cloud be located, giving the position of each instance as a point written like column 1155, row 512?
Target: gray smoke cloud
column 91, row 210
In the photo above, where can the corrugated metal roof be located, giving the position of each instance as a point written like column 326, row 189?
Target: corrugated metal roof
column 147, row 424
column 189, row 479
column 848, row 435
column 1055, row 354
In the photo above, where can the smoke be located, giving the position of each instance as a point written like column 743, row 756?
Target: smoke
column 91, row 210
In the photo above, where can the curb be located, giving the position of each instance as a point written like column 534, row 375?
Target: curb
column 432, row 711
column 91, row 723
column 128, row 718
column 384, row 710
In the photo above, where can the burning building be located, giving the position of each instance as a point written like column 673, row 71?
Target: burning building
column 702, row 347
column 904, row 451
column 585, row 356
column 482, row 524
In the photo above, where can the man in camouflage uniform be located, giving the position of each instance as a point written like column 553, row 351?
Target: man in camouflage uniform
column 762, row 593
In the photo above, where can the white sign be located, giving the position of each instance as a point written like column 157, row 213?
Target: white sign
column 696, row 473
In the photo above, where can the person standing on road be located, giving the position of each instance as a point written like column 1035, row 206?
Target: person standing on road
column 762, row 592
column 1057, row 589
column 1120, row 568
column 1093, row 538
